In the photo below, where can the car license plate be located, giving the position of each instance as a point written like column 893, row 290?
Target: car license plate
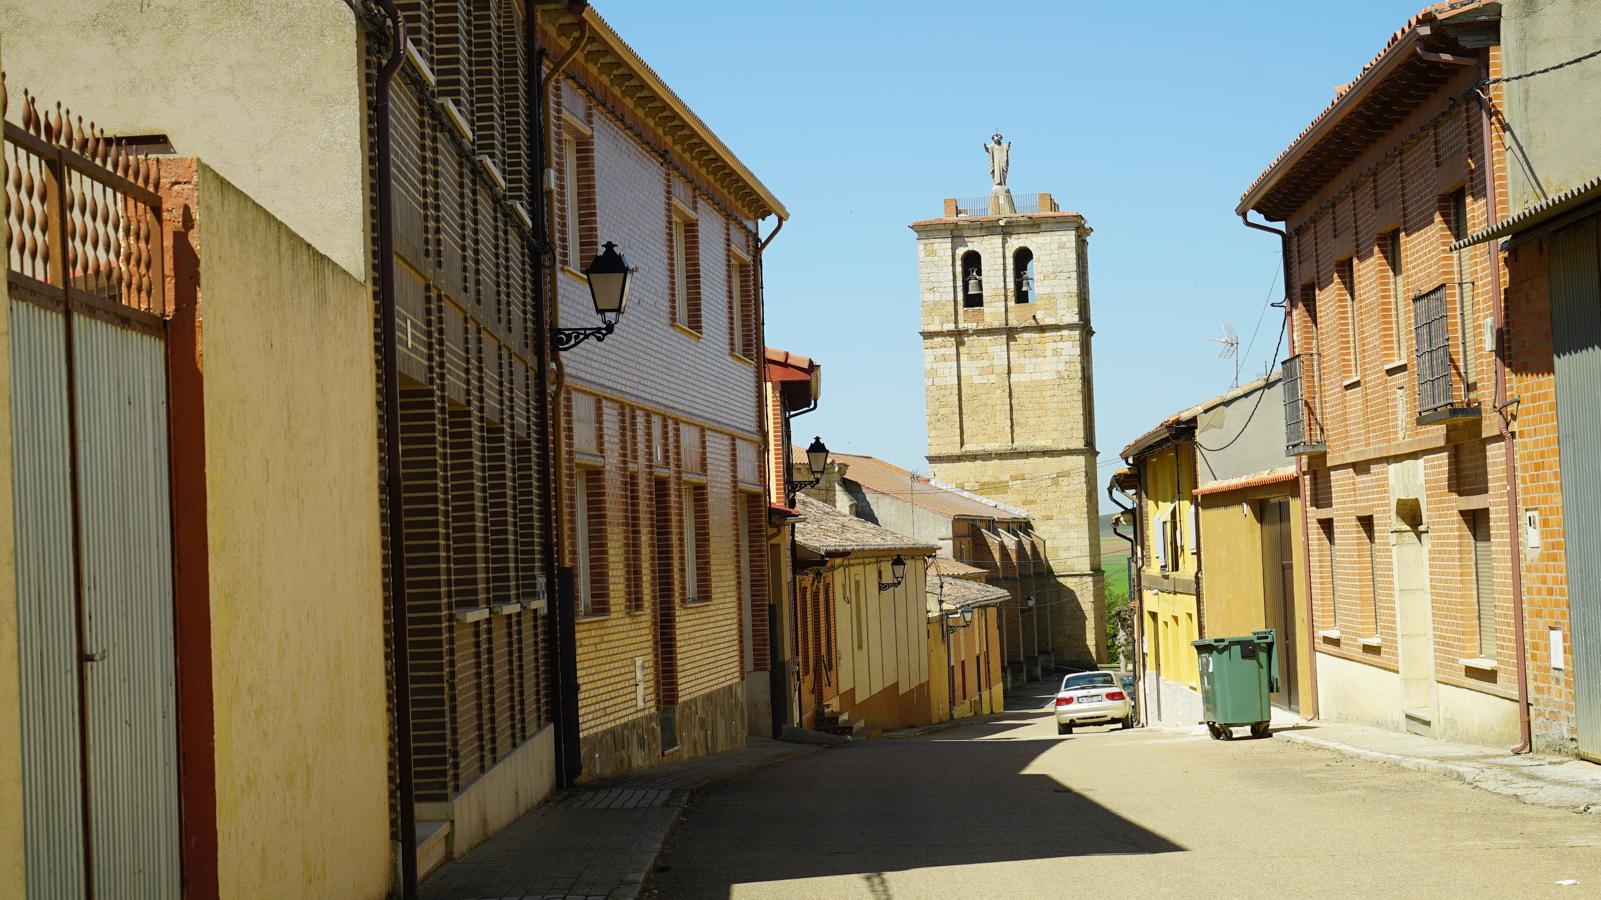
column 1090, row 698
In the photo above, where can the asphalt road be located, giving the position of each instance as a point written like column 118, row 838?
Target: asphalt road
column 1009, row 809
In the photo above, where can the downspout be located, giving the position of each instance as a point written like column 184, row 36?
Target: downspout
column 1142, row 536
column 1300, row 475
column 759, row 362
column 1139, row 615
column 560, row 599
column 394, row 513
column 1502, row 406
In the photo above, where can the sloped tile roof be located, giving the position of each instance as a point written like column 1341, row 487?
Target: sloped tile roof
column 960, row 592
column 1346, row 96
column 832, row 532
column 881, row 477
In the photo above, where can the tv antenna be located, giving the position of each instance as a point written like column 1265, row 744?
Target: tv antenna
column 1229, row 348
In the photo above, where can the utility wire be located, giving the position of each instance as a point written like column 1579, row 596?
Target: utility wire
column 1260, row 393
column 1561, row 65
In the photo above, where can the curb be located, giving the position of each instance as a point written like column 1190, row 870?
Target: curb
column 948, row 723
column 1482, row 777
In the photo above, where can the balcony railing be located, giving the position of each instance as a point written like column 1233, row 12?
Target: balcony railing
column 980, row 206
column 1440, row 383
column 1303, row 432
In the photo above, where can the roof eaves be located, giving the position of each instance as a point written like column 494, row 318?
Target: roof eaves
column 654, row 84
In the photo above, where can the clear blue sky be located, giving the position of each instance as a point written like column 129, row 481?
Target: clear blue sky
column 1149, row 118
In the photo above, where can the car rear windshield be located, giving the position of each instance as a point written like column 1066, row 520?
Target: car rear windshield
column 1088, row 679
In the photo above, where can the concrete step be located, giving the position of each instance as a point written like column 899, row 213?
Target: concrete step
column 433, row 846
column 1420, row 722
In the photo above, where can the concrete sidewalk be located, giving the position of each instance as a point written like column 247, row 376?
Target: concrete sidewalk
column 596, row 840
column 1555, row 782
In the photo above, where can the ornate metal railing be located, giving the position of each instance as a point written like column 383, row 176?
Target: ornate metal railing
column 1303, row 432
column 83, row 219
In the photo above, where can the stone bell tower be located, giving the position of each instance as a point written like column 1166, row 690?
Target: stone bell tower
column 1004, row 287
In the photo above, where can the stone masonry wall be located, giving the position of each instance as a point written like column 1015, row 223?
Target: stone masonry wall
column 1008, row 393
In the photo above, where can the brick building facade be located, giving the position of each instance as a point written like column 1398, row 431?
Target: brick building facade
column 469, row 348
column 1398, row 405
column 663, row 500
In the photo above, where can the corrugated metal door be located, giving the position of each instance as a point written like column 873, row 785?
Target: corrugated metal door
column 97, row 659
column 1576, row 335
column 52, row 798
column 126, row 559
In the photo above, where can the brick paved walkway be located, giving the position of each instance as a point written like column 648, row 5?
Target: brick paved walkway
column 598, row 840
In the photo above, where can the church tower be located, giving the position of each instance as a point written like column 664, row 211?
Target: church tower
column 1004, row 287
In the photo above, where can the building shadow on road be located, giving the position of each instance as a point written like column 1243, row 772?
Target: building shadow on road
column 960, row 797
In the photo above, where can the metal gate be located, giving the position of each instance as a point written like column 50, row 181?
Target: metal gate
column 1576, row 336
column 92, row 517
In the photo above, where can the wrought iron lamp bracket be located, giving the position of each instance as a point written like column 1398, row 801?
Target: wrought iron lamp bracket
column 568, row 338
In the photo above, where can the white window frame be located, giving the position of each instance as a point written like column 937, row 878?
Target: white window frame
column 569, row 145
column 687, row 523
column 586, row 585
column 737, row 267
column 680, row 270
column 742, row 558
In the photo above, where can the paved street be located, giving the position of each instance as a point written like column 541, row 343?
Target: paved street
column 1007, row 808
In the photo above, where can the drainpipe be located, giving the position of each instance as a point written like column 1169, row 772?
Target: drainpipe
column 394, row 513
column 759, row 351
column 560, row 599
column 1139, row 616
column 1502, row 406
column 1300, row 475
column 1503, row 416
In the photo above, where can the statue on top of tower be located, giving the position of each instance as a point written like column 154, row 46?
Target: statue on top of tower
column 999, row 155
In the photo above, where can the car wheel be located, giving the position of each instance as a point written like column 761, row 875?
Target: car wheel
column 1127, row 723
column 1064, row 729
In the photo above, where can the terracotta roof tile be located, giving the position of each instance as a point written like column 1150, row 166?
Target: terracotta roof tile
column 832, row 532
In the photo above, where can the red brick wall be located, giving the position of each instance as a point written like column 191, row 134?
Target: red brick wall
column 1545, row 590
column 1366, row 398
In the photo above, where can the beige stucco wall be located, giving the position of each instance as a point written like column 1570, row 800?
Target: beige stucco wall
column 267, row 92
column 296, row 596
column 1554, row 117
column 10, row 689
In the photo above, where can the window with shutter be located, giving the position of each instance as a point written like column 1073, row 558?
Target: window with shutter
column 1483, row 580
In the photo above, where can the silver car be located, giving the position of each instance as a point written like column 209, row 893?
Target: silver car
column 1092, row 698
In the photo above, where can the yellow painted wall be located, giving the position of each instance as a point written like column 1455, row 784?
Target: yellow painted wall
column 1167, row 477
column 939, row 694
column 10, row 690
column 892, row 626
column 269, row 93
column 296, row 596
column 1232, row 558
column 1235, row 564
column 1170, row 626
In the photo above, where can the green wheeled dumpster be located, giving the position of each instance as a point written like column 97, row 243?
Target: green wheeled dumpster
column 1238, row 677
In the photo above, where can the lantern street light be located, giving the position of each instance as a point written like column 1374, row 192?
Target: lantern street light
column 816, row 463
column 967, row 615
column 897, row 568
column 608, row 276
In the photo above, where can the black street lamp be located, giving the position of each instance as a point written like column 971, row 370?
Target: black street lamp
column 608, row 276
column 967, row 616
column 816, row 463
column 897, row 568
